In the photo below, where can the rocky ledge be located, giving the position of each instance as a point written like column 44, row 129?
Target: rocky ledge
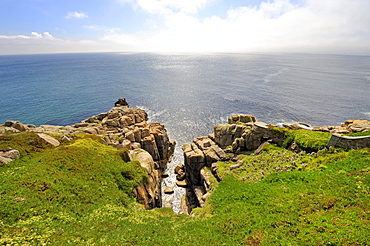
column 121, row 127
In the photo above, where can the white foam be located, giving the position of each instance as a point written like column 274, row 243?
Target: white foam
column 268, row 77
column 367, row 114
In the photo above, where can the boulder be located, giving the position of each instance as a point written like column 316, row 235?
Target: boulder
column 49, row 139
column 357, row 125
column 5, row 160
column 169, row 190
column 121, row 102
column 12, row 154
column 240, row 119
column 180, row 172
column 123, row 128
column 183, row 184
column 145, row 159
column 16, row 125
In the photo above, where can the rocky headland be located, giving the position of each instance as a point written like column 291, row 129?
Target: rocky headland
column 121, row 127
column 147, row 142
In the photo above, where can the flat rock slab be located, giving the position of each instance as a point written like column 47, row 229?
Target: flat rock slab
column 5, row 160
column 169, row 190
column 49, row 139
column 182, row 184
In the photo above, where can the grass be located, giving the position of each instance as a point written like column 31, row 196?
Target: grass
column 329, row 207
column 25, row 143
column 309, row 141
column 358, row 134
column 275, row 159
column 64, row 183
column 82, row 194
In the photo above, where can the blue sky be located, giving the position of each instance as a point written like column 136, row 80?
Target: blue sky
column 306, row 26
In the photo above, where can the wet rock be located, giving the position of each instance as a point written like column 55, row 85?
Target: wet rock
column 183, row 184
column 180, row 172
column 169, row 190
column 184, row 205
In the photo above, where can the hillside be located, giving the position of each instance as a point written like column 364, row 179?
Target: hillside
column 81, row 193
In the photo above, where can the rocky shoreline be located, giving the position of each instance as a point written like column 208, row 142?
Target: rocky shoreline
column 123, row 128
column 127, row 128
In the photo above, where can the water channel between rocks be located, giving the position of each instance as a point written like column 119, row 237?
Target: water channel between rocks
column 174, row 199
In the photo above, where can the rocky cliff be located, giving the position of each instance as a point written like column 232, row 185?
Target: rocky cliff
column 242, row 134
column 148, row 143
column 123, row 128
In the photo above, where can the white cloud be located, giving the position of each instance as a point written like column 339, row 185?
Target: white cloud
column 313, row 26
column 110, row 30
column 168, row 6
column 76, row 15
column 46, row 43
column 34, row 35
column 330, row 26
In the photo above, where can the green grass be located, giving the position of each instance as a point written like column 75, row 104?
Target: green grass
column 275, row 159
column 329, row 207
column 82, row 194
column 358, row 134
column 25, row 143
column 67, row 182
column 310, row 141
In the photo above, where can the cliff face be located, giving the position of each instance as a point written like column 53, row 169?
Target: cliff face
column 243, row 133
column 148, row 143
column 123, row 128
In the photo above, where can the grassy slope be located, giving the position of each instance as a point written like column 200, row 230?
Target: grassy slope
column 81, row 194
column 329, row 207
column 62, row 185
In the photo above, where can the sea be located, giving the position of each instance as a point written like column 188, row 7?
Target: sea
column 188, row 93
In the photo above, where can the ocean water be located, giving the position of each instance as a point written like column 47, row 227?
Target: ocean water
column 188, row 93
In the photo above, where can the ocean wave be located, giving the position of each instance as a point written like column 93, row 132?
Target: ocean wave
column 304, row 126
column 269, row 77
column 152, row 115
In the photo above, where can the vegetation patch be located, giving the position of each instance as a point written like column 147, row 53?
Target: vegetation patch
column 82, row 194
column 358, row 134
column 310, row 141
column 328, row 207
column 274, row 159
column 25, row 143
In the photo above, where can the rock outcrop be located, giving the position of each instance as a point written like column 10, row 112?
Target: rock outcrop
column 347, row 142
column 242, row 133
column 349, row 126
column 123, row 128
column 147, row 194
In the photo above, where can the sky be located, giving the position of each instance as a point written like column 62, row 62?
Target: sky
column 280, row 26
